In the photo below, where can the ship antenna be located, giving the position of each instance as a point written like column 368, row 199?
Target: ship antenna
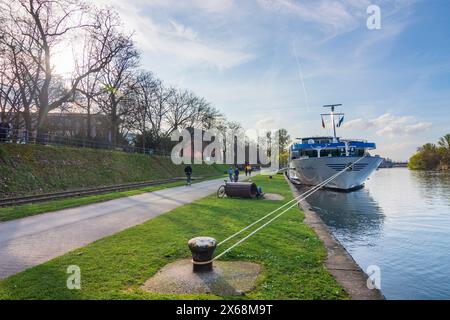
column 332, row 114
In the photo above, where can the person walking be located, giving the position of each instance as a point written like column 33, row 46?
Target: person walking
column 236, row 175
column 248, row 170
column 230, row 174
column 188, row 172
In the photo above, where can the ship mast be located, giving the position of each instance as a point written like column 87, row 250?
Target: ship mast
column 332, row 114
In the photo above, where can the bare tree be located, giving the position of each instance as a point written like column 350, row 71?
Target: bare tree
column 144, row 94
column 88, row 89
column 94, row 46
column 9, row 92
column 156, row 102
column 160, row 106
column 119, row 82
column 47, row 24
column 182, row 110
column 208, row 116
column 19, row 74
column 105, row 79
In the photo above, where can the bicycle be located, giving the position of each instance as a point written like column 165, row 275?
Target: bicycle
column 188, row 179
column 221, row 192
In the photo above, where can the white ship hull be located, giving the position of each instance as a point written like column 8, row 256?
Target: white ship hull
column 313, row 171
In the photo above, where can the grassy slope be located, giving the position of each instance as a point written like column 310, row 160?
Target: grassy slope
column 30, row 169
column 116, row 266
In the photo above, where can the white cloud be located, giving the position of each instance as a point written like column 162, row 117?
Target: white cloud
column 208, row 6
column 182, row 31
column 337, row 17
column 398, row 151
column 325, row 13
column 389, row 125
column 388, row 33
column 418, row 127
column 183, row 44
column 267, row 123
column 212, row 6
column 356, row 124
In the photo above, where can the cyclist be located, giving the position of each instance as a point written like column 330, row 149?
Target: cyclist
column 188, row 172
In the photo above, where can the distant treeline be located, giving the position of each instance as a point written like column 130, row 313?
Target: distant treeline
column 431, row 156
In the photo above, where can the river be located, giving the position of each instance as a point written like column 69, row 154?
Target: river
column 400, row 222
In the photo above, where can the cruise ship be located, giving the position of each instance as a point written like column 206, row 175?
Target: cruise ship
column 312, row 160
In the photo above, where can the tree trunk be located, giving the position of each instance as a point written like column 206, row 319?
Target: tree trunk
column 88, row 122
column 114, row 129
column 28, row 127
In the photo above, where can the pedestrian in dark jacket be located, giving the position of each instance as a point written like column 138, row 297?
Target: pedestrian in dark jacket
column 236, row 175
column 188, row 172
column 230, row 174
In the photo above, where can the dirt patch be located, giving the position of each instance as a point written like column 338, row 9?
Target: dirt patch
column 273, row 196
column 228, row 278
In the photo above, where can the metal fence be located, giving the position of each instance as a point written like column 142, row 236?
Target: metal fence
column 25, row 137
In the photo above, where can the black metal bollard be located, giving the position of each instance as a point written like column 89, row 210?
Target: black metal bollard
column 202, row 249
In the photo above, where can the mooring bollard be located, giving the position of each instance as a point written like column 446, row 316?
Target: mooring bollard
column 202, row 249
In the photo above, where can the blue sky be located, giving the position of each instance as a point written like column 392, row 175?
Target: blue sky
column 274, row 63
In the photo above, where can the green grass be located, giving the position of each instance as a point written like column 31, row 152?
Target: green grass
column 31, row 209
column 34, row 169
column 115, row 267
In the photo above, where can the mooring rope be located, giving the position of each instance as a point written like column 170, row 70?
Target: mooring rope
column 271, row 213
column 312, row 190
column 297, row 200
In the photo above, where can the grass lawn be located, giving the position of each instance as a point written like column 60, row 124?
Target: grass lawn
column 115, row 267
column 31, row 209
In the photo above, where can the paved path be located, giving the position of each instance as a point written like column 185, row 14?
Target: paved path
column 33, row 240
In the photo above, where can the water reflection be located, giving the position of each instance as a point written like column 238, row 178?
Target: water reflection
column 435, row 185
column 431, row 179
column 400, row 222
column 351, row 216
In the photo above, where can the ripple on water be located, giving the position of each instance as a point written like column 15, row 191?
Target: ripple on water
column 401, row 222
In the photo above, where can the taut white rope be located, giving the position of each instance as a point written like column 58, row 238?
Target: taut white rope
column 296, row 201
column 312, row 190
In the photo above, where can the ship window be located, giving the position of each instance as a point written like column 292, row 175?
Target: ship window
column 356, row 152
column 330, row 153
column 309, row 153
